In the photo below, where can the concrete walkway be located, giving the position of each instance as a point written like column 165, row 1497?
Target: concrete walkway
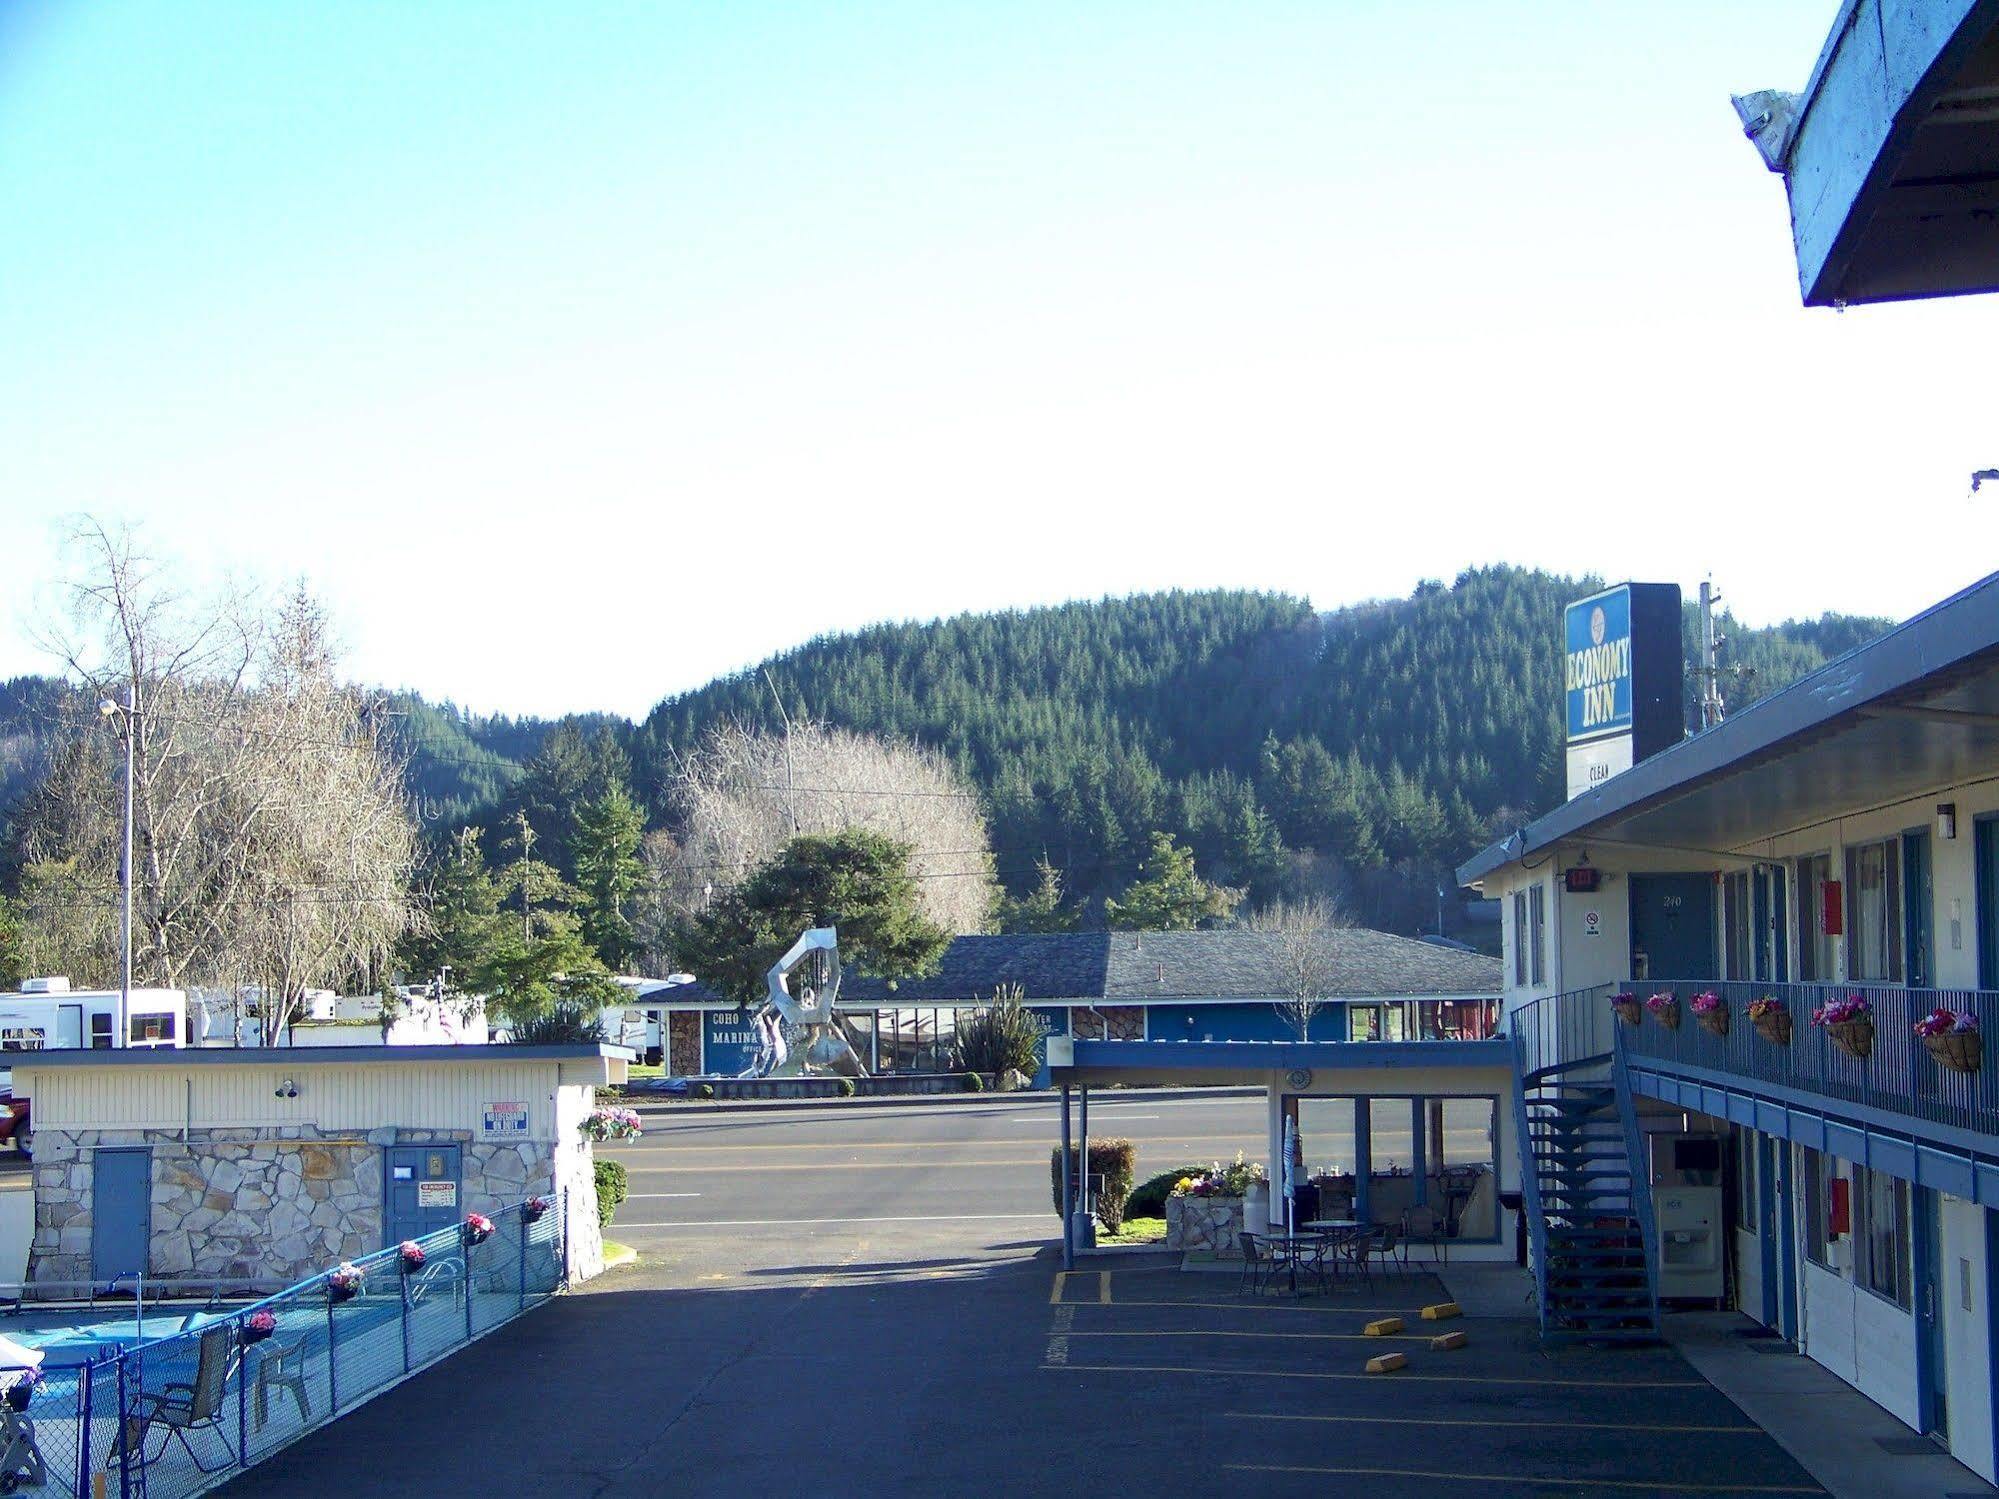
column 1839, row 1436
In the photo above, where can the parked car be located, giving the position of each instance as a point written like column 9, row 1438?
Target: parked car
column 16, row 1126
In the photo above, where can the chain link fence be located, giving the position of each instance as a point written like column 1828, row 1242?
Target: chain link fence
column 176, row 1414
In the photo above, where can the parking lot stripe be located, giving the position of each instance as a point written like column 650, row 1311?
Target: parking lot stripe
column 1738, row 1429
column 1055, row 1291
column 1532, row 1480
column 1210, row 1332
column 1323, row 1308
column 1103, row 1288
column 1211, row 1371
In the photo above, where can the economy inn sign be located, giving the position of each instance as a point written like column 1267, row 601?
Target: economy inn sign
column 1622, row 670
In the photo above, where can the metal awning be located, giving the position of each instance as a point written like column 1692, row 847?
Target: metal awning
column 1097, row 1064
column 1897, row 718
column 1890, row 155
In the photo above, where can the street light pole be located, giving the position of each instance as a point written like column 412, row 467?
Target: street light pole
column 129, row 711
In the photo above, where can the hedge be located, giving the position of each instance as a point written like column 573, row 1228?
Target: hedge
column 1115, row 1162
column 612, row 1186
column 1148, row 1199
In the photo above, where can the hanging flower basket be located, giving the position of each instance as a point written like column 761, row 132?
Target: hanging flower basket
column 1850, row 1023
column 1628, row 1009
column 478, row 1229
column 1711, row 1011
column 1771, row 1019
column 412, row 1255
column 1951, row 1036
column 1665, row 1008
column 533, row 1208
column 343, row 1284
column 612, row 1123
column 257, row 1327
column 22, row 1390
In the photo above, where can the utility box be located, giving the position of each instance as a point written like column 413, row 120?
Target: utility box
column 1690, row 1242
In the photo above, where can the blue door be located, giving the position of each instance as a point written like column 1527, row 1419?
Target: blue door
column 1916, row 906
column 1933, row 1414
column 423, row 1191
column 121, row 1213
column 1771, row 960
column 1672, row 926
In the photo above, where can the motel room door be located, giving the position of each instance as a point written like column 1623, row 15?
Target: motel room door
column 423, row 1191
column 121, row 1213
column 1672, row 925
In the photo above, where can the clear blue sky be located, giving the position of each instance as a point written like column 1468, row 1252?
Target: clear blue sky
column 578, row 352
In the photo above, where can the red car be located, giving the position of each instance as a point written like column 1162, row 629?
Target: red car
column 15, row 1124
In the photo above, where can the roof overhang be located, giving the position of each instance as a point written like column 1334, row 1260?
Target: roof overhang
column 1905, row 715
column 1133, row 1063
column 1890, row 156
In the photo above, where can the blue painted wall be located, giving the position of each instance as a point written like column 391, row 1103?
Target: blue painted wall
column 1253, row 1022
column 731, row 1041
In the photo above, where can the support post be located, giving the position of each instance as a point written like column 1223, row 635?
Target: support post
column 1082, row 1227
column 1068, row 1202
column 403, row 1286
column 521, row 1255
column 332, row 1348
column 465, row 1247
column 124, row 1433
column 242, row 1398
column 83, row 1435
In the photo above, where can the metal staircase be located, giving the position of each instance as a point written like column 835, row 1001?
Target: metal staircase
column 1587, row 1196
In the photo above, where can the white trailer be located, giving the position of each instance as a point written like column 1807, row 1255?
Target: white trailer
column 48, row 1014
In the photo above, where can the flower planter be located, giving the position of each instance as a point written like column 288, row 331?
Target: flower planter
column 1713, row 1021
column 1854, row 1037
column 1776, row 1029
column 1960, row 1051
column 533, row 1208
column 1669, row 1016
column 1205, row 1225
column 253, row 1332
column 337, row 1291
column 1629, row 1011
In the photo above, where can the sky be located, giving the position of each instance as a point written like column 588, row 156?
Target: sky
column 576, row 354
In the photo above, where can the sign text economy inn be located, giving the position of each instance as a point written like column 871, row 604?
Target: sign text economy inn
column 1622, row 670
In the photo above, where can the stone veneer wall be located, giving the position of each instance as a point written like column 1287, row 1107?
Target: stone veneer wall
column 277, row 1204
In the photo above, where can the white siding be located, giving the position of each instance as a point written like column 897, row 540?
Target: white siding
column 361, row 1097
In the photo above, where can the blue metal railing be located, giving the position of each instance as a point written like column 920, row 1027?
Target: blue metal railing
column 1530, row 1185
column 1899, row 1075
column 1636, row 1151
column 177, row 1414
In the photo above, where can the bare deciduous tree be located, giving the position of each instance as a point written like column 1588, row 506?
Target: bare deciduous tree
column 745, row 793
column 272, row 847
column 1301, row 939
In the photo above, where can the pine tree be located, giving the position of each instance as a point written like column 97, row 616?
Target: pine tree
column 1170, row 897
column 605, row 845
column 1041, row 909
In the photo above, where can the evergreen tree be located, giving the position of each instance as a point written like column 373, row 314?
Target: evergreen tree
column 608, row 874
column 463, row 922
column 12, row 960
column 1041, row 909
column 1170, row 897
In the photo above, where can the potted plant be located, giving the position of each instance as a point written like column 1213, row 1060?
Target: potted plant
column 1207, row 1211
column 1951, row 1036
column 533, row 1208
column 478, row 1229
column 1665, row 1008
column 1711, row 1010
column 343, row 1284
column 1628, row 1009
column 1850, row 1023
column 257, row 1327
column 612, row 1123
column 412, row 1255
column 1772, row 1019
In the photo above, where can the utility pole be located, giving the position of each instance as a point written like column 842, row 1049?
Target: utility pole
column 790, row 792
column 129, row 712
column 1708, row 672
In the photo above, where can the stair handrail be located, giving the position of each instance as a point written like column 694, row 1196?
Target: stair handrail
column 1530, row 1184
column 1641, row 1172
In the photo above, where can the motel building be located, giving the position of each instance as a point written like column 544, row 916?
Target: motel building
column 1778, row 901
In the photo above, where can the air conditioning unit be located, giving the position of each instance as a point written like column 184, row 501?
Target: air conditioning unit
column 54, row 985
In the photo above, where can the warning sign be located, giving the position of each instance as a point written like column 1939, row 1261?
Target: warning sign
column 506, row 1119
column 437, row 1194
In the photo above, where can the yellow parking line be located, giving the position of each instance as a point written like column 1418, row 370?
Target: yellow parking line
column 1736, row 1430
column 1103, row 1288
column 1211, row 1371
column 1055, row 1291
column 1535, row 1481
column 1322, row 1308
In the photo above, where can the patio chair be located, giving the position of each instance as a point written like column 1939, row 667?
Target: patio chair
column 281, row 1367
column 1261, row 1262
column 1422, row 1225
column 183, row 1409
column 21, row 1465
column 1381, row 1248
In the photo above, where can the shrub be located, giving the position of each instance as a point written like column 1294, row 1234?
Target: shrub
column 974, row 1083
column 612, row 1186
column 564, row 1024
column 1005, row 1035
column 704, row 1090
column 1115, row 1162
column 846, row 1087
column 1148, row 1198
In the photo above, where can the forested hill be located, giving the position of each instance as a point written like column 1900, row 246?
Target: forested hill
column 1366, row 749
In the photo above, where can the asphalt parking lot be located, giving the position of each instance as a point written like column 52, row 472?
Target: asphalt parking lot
column 769, row 1343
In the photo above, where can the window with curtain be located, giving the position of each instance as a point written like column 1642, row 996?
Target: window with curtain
column 1738, row 936
column 1814, row 871
column 1745, row 1180
column 1520, row 938
column 1816, row 1173
column 1874, row 912
column 1881, row 1234
column 1537, row 916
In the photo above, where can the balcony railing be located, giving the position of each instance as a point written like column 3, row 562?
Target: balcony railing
column 1898, row 1075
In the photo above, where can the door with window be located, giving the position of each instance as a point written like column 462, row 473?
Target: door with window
column 423, row 1191
column 1672, row 926
column 1917, row 909
column 1874, row 931
column 1815, row 962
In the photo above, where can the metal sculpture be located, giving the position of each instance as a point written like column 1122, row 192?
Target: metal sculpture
column 799, row 1034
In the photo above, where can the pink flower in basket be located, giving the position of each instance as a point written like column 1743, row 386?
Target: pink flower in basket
column 1660, row 1002
column 1944, row 1021
column 478, row 1228
column 412, row 1253
column 1706, row 1002
column 263, row 1322
column 1839, row 1011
